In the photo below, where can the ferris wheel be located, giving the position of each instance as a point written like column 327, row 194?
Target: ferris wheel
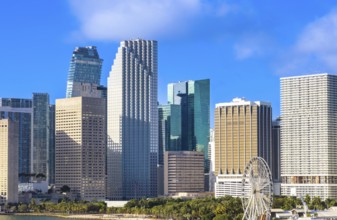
column 257, row 190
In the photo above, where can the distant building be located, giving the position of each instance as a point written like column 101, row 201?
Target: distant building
column 20, row 111
column 243, row 129
column 80, row 146
column 308, row 135
column 51, row 158
column 85, row 67
column 133, row 121
column 183, row 172
column 9, row 146
column 211, row 156
column 40, row 135
column 276, row 165
column 193, row 96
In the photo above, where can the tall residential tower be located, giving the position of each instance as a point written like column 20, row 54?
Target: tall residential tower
column 133, row 121
column 309, row 135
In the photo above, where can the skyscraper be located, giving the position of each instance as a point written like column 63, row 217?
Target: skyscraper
column 80, row 146
column 9, row 146
column 40, row 135
column 276, row 165
column 51, row 158
column 133, row 121
column 243, row 130
column 20, row 111
column 194, row 100
column 308, row 135
column 85, row 67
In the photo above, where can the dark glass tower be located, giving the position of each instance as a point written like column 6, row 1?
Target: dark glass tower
column 85, row 68
column 51, row 161
column 20, row 110
column 194, row 99
column 40, row 136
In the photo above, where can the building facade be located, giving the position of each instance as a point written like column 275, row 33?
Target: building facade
column 308, row 135
column 183, row 172
column 9, row 172
column 276, row 163
column 85, row 67
column 243, row 129
column 40, row 135
column 20, row 111
column 51, row 158
column 194, row 99
column 80, row 146
column 133, row 121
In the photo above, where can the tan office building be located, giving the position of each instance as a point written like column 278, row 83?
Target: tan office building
column 9, row 166
column 183, row 172
column 80, row 146
column 242, row 131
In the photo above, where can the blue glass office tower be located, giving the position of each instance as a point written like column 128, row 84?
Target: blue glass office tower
column 194, row 99
column 51, row 159
column 20, row 110
column 85, row 67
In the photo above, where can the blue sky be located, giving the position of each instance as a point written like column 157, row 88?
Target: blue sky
column 244, row 47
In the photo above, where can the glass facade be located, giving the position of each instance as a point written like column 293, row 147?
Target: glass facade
column 85, row 67
column 169, row 130
column 20, row 110
column 194, row 99
column 51, row 159
column 40, row 134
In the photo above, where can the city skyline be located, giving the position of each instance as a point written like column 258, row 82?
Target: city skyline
column 243, row 41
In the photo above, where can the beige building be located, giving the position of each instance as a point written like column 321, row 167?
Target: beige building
column 9, row 166
column 80, row 146
column 242, row 131
column 183, row 172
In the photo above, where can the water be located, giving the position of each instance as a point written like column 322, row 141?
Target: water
column 17, row 217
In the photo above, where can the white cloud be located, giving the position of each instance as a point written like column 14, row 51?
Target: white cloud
column 125, row 19
column 118, row 19
column 315, row 49
column 253, row 44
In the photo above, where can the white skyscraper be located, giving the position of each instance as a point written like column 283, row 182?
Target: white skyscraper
column 309, row 135
column 133, row 121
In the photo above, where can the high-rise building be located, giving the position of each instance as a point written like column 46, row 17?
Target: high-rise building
column 194, row 99
column 169, row 135
column 308, row 135
column 85, row 67
column 211, row 157
column 184, row 172
column 169, row 130
column 20, row 111
column 9, row 146
column 243, row 130
column 276, row 165
column 51, row 158
column 80, row 146
column 40, row 135
column 133, row 121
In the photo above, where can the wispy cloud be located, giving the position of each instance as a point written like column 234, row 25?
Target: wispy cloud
column 252, row 45
column 315, row 49
column 123, row 19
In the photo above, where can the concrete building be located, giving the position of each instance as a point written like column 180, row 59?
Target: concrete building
column 85, row 67
column 308, row 135
column 9, row 174
column 133, row 121
column 211, row 156
column 243, row 129
column 183, row 172
column 40, row 135
column 20, row 111
column 80, row 160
